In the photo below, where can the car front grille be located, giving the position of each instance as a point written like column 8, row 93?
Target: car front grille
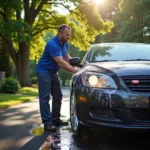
column 140, row 115
column 142, row 86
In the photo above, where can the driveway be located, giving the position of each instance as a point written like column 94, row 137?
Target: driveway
column 21, row 128
column 16, row 123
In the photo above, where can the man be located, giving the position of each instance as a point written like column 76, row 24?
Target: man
column 54, row 56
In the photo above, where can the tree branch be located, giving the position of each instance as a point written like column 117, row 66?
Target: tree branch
column 40, row 6
column 43, row 30
column 26, row 5
column 26, row 10
column 33, row 4
column 50, row 14
column 3, row 15
column 34, row 12
column 65, row 7
column 18, row 15
column 11, row 49
column 38, row 25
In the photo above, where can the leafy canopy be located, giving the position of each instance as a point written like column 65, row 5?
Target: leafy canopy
column 27, row 20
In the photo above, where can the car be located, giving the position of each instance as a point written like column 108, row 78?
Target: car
column 112, row 88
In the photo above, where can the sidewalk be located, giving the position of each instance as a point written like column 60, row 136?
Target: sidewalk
column 17, row 122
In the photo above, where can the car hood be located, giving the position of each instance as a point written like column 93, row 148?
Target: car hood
column 121, row 68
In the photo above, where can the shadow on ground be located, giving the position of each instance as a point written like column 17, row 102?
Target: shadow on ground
column 64, row 140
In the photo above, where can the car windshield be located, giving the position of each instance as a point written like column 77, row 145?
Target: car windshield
column 114, row 52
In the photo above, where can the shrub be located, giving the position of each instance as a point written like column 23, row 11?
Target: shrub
column 10, row 85
column 34, row 80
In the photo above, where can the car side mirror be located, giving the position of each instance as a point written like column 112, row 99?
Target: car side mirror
column 75, row 61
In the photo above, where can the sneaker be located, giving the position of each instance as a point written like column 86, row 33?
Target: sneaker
column 59, row 122
column 50, row 127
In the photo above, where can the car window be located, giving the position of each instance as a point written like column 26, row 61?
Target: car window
column 119, row 52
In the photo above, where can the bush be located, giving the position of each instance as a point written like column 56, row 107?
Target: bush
column 10, row 85
column 34, row 80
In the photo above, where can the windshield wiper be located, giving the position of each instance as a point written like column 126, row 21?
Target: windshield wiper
column 136, row 60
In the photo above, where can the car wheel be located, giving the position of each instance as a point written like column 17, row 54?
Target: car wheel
column 77, row 128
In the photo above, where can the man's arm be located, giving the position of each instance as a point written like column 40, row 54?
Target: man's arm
column 67, row 57
column 64, row 65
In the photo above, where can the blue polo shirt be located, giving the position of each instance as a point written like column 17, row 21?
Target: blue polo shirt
column 52, row 49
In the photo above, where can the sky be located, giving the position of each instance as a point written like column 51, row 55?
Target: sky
column 63, row 10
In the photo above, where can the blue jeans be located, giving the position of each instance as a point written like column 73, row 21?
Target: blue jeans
column 49, row 84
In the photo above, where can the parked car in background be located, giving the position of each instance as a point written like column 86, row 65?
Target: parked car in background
column 112, row 88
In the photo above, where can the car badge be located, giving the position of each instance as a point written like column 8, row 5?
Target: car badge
column 135, row 81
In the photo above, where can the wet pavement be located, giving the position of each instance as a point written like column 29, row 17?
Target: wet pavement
column 64, row 140
column 20, row 128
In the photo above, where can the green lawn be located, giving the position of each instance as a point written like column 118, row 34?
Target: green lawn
column 23, row 95
column 28, row 91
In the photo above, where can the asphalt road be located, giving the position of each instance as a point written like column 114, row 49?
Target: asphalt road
column 21, row 128
column 17, row 122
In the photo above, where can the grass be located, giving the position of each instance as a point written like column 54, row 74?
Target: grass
column 28, row 91
column 23, row 95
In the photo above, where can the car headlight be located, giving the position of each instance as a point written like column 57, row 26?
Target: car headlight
column 98, row 80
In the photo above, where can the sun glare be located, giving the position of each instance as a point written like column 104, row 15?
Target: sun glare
column 99, row 1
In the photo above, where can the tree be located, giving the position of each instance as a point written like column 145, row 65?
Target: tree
column 23, row 20
column 108, row 11
column 131, row 22
column 6, row 63
column 137, row 18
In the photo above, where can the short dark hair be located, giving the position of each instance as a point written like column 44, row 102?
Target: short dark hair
column 62, row 27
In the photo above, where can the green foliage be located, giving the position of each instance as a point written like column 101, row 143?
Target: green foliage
column 34, row 80
column 10, row 85
column 137, row 14
column 8, row 100
column 33, row 74
column 47, row 36
column 23, row 25
column 131, row 23
column 75, row 52
column 85, row 21
column 6, row 63
column 28, row 91
column 23, row 95
column 87, row 25
column 90, row 13
column 64, row 76
column 32, row 68
column 108, row 9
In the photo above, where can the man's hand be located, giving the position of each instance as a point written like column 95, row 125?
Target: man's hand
column 76, row 70
column 59, row 60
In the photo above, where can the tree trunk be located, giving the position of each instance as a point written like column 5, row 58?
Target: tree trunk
column 23, row 64
column 63, row 82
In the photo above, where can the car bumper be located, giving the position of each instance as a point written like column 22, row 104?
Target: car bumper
column 114, row 109
column 123, row 122
column 96, row 125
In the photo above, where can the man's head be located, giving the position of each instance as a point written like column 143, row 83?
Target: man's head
column 64, row 33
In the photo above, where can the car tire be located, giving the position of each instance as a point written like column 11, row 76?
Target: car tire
column 77, row 128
